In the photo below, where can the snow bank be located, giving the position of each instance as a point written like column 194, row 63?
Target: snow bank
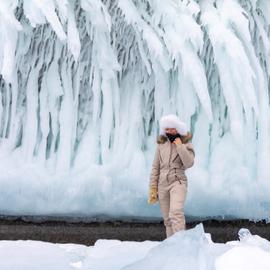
column 188, row 250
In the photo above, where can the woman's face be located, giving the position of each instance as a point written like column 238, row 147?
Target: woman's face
column 172, row 131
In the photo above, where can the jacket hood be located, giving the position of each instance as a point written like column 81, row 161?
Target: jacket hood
column 172, row 121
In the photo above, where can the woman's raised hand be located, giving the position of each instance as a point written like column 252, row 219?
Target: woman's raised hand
column 177, row 141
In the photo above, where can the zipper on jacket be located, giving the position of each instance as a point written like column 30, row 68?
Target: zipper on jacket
column 169, row 162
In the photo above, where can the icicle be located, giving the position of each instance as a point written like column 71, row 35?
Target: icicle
column 83, row 85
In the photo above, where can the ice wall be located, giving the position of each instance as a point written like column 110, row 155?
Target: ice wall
column 83, row 85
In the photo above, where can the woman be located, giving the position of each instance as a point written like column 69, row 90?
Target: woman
column 168, row 182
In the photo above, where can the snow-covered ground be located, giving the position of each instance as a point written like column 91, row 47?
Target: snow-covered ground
column 187, row 250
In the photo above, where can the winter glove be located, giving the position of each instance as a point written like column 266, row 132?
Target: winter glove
column 153, row 195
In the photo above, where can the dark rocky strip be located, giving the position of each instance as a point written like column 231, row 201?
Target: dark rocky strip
column 62, row 230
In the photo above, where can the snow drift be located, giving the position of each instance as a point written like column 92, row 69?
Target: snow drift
column 186, row 250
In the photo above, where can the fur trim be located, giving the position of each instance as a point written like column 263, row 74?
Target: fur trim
column 185, row 139
column 172, row 121
column 161, row 139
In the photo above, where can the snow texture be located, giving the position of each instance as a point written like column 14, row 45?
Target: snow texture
column 186, row 250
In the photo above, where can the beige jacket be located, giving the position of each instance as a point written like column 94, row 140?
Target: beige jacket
column 170, row 162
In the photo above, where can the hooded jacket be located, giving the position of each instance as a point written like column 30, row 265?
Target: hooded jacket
column 171, row 161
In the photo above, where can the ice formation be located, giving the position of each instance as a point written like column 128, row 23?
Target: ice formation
column 83, row 85
column 186, row 250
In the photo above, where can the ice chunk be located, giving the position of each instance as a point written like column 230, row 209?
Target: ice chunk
column 180, row 251
column 185, row 250
column 244, row 234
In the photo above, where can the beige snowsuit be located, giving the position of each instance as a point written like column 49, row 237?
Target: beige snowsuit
column 168, row 174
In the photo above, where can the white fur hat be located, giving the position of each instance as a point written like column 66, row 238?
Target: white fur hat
column 172, row 121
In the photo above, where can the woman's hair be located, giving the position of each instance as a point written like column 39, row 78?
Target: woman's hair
column 184, row 138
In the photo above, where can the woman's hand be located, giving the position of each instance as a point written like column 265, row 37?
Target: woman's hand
column 177, row 141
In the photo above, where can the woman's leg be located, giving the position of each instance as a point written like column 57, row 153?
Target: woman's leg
column 164, row 201
column 177, row 199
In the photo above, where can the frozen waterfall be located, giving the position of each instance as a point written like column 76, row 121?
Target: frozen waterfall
column 84, row 83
